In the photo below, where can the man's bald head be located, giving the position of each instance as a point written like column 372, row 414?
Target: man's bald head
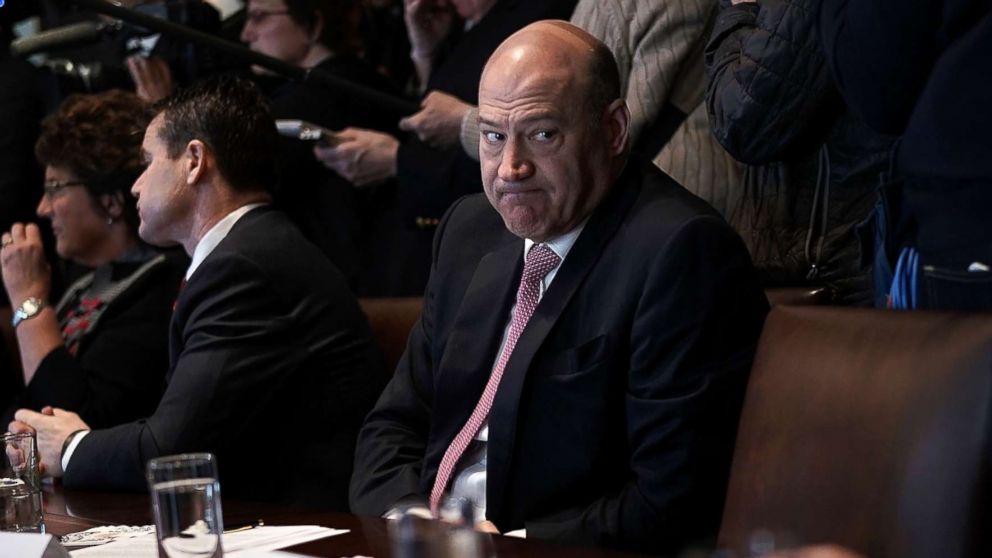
column 554, row 131
column 550, row 45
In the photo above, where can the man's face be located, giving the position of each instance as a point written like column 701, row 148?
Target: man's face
column 164, row 198
column 545, row 166
column 270, row 30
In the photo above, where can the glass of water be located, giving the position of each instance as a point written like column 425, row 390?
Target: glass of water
column 20, row 485
column 186, row 504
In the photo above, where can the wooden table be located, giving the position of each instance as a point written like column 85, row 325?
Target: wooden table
column 69, row 511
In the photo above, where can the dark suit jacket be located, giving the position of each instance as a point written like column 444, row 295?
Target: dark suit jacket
column 615, row 418
column 273, row 369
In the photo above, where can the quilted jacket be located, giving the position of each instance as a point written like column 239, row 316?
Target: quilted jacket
column 812, row 167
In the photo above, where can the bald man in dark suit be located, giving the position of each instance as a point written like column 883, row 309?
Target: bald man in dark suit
column 587, row 332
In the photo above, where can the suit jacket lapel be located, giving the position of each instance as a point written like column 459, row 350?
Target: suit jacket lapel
column 580, row 260
column 180, row 312
column 475, row 335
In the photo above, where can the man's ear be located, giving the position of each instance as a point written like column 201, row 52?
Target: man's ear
column 317, row 29
column 197, row 161
column 113, row 204
column 616, row 122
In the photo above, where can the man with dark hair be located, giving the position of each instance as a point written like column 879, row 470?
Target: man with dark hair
column 233, row 121
column 252, row 337
column 599, row 404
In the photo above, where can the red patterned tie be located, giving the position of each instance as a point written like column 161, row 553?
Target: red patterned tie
column 540, row 261
column 182, row 285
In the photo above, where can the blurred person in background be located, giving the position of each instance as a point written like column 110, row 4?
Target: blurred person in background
column 153, row 59
column 320, row 34
column 386, row 45
column 811, row 164
column 101, row 350
column 658, row 47
column 128, row 56
column 450, row 43
column 921, row 70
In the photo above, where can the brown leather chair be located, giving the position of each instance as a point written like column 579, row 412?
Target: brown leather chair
column 797, row 296
column 867, row 428
column 391, row 320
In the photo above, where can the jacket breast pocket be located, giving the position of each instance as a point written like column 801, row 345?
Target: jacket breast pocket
column 575, row 360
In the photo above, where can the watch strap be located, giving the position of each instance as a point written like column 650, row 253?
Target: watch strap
column 27, row 310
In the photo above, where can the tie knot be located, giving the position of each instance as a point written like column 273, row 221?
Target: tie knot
column 540, row 261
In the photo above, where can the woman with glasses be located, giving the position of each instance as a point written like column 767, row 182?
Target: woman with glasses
column 101, row 350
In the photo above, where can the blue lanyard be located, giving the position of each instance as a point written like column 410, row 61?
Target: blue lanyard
column 903, row 291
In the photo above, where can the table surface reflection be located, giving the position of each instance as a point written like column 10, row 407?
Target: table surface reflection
column 68, row 511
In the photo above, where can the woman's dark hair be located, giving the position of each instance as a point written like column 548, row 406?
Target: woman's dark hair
column 98, row 139
column 341, row 22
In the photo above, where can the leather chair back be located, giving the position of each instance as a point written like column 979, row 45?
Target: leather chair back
column 391, row 320
column 866, row 428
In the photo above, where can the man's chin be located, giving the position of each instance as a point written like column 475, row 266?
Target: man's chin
column 525, row 228
column 151, row 238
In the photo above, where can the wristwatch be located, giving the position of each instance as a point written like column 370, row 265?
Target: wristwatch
column 27, row 310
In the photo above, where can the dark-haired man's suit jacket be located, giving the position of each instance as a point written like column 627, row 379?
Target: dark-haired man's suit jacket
column 615, row 418
column 272, row 369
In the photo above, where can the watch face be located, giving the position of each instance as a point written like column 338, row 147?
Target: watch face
column 30, row 306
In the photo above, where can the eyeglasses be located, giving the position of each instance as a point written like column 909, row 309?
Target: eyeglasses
column 54, row 188
column 256, row 17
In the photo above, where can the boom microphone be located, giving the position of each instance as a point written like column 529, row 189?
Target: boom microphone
column 70, row 35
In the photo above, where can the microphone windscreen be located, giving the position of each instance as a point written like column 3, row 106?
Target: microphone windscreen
column 69, row 35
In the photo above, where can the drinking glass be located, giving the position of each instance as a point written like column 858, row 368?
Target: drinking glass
column 186, row 504
column 20, row 485
column 413, row 537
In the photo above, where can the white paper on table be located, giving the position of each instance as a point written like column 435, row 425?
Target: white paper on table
column 242, row 543
column 274, row 537
column 105, row 534
column 23, row 545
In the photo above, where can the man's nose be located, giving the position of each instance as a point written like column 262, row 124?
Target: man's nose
column 515, row 164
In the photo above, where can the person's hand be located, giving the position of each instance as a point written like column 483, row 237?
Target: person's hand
column 52, row 431
column 152, row 77
column 361, row 156
column 486, row 527
column 439, row 122
column 18, row 427
column 427, row 23
column 25, row 271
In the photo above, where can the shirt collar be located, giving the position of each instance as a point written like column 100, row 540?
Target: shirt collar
column 560, row 245
column 215, row 235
